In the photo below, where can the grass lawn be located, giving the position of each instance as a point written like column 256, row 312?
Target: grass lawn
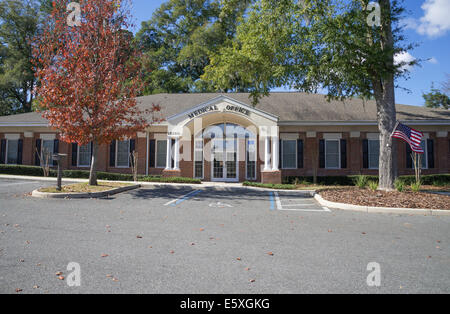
column 85, row 187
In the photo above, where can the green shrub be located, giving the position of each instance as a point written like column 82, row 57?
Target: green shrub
column 399, row 185
column 170, row 180
column 415, row 187
column 270, row 186
column 21, row 170
column 373, row 185
column 361, row 181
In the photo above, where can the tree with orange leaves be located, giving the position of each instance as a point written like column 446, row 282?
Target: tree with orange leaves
column 89, row 75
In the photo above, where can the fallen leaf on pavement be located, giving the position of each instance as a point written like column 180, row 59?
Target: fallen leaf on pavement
column 19, row 290
column 61, row 277
column 270, row 253
column 105, row 255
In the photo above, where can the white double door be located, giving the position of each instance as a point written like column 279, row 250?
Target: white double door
column 224, row 156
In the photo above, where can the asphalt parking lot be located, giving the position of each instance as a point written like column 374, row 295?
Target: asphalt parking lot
column 213, row 240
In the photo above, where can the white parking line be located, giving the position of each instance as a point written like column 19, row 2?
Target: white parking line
column 280, row 206
column 184, row 197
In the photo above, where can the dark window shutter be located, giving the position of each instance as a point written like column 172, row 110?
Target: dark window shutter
column 55, row 150
column 322, row 154
column 112, row 154
column 20, row 152
column 74, row 154
column 300, row 154
column 132, row 149
column 152, row 154
column 430, row 151
column 280, row 154
column 365, row 154
column 3, row 151
column 409, row 162
column 343, row 154
column 37, row 160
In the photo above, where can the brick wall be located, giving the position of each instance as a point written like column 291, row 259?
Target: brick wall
column 354, row 157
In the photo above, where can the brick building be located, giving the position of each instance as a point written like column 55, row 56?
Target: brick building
column 224, row 138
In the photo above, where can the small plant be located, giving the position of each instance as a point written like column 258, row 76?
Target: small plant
column 399, row 185
column 361, row 181
column 373, row 185
column 297, row 181
column 415, row 187
column 44, row 159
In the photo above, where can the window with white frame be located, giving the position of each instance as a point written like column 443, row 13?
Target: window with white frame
column 289, row 154
column 84, row 155
column 198, row 159
column 332, row 154
column 123, row 154
column 374, row 153
column 161, row 153
column 12, row 151
column 47, row 150
column 251, row 158
column 424, row 156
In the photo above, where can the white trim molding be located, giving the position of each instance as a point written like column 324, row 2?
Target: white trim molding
column 373, row 136
column 311, row 134
column 442, row 134
column 48, row 137
column 12, row 137
column 28, row 134
column 332, row 136
column 289, row 136
column 356, row 134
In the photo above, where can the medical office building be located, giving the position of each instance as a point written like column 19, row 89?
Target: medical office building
column 222, row 137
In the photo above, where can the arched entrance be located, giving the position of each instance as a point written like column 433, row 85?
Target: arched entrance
column 230, row 145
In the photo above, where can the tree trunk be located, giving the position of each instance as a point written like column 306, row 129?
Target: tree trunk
column 387, row 119
column 384, row 90
column 93, row 172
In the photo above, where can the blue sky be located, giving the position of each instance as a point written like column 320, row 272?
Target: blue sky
column 427, row 24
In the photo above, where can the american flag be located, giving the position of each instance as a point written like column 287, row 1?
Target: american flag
column 410, row 136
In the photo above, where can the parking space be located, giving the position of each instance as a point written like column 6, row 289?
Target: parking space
column 189, row 239
column 242, row 198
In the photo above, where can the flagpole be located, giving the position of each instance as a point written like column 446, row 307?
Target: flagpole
column 395, row 128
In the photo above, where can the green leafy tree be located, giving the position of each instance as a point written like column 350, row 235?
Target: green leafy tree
column 179, row 39
column 331, row 45
column 436, row 99
column 19, row 23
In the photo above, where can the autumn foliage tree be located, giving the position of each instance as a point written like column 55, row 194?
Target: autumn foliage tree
column 89, row 75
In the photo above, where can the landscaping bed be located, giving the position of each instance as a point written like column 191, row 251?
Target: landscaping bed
column 85, row 187
column 368, row 197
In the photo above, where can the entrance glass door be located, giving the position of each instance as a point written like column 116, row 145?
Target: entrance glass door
column 225, row 161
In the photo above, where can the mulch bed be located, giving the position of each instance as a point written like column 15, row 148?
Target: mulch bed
column 366, row 197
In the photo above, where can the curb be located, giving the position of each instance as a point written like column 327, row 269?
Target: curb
column 38, row 194
column 380, row 210
column 162, row 184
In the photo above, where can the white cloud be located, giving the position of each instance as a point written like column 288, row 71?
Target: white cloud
column 435, row 22
column 433, row 60
column 404, row 58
